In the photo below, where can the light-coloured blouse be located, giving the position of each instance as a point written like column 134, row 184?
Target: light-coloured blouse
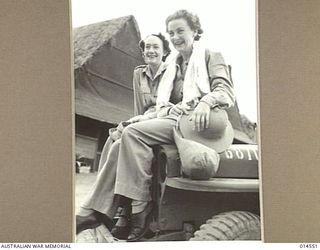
column 145, row 89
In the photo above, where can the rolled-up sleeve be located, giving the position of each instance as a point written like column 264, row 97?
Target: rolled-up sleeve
column 221, row 86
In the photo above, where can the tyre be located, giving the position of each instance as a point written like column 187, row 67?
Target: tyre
column 236, row 225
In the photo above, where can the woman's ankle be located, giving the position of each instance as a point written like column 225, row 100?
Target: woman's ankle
column 138, row 206
column 84, row 211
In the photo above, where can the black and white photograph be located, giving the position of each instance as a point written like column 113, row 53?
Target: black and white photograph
column 166, row 145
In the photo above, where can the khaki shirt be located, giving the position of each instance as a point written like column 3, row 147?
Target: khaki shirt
column 221, row 86
column 145, row 89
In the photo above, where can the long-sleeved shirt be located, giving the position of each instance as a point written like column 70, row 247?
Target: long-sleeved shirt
column 145, row 89
column 221, row 86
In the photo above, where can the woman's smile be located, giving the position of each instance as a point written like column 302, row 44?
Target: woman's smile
column 181, row 35
column 153, row 51
column 152, row 56
column 177, row 43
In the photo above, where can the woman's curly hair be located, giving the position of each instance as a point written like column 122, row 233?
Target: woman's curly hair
column 165, row 42
column 192, row 20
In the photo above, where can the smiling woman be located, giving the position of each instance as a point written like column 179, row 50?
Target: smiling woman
column 153, row 52
column 182, row 36
column 229, row 27
column 183, row 29
column 102, row 203
column 155, row 48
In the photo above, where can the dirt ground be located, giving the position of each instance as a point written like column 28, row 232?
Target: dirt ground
column 83, row 184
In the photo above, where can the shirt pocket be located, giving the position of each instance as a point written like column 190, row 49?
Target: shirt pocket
column 144, row 88
column 149, row 99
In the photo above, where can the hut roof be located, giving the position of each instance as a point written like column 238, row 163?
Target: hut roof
column 90, row 38
column 105, row 55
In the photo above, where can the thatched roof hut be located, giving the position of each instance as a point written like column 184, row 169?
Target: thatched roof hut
column 105, row 55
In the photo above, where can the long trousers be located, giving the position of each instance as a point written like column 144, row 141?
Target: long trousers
column 127, row 170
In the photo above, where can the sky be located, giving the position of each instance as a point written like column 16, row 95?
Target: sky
column 229, row 27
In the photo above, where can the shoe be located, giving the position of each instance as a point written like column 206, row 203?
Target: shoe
column 122, row 228
column 86, row 222
column 140, row 223
column 103, row 218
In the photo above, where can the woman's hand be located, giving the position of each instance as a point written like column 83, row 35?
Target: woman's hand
column 200, row 116
column 179, row 109
column 138, row 118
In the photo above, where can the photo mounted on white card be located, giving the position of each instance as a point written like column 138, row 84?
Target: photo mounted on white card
column 165, row 121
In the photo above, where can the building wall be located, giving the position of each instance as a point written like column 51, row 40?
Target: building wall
column 90, row 138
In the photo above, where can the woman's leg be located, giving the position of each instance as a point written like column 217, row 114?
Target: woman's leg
column 102, row 198
column 134, row 176
column 105, row 152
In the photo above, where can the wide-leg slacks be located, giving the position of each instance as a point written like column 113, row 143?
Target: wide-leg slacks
column 101, row 197
column 105, row 152
column 134, row 174
column 127, row 169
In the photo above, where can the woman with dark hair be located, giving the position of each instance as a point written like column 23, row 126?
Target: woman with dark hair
column 102, row 204
column 155, row 49
column 146, row 80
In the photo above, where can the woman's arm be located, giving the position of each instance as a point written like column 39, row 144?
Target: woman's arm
column 138, row 108
column 221, row 95
column 222, row 92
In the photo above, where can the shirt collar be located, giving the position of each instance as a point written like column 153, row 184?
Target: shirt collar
column 161, row 68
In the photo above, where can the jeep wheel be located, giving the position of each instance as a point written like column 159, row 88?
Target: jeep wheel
column 236, row 225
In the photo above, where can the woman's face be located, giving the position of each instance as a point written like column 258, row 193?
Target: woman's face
column 153, row 50
column 181, row 35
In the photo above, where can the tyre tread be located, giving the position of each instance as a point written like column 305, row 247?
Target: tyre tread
column 232, row 225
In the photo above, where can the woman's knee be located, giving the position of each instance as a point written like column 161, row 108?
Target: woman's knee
column 115, row 146
column 128, row 131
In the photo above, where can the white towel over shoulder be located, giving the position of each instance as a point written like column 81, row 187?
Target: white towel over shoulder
column 196, row 79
